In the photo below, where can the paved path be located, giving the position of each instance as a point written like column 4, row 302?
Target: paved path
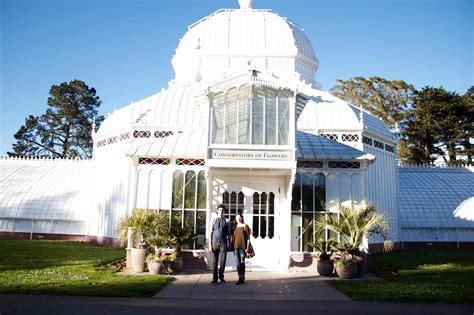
column 258, row 286
column 191, row 293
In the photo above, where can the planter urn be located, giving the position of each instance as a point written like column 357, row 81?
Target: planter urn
column 156, row 267
column 325, row 267
column 138, row 259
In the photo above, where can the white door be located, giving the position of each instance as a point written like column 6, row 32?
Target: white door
column 259, row 204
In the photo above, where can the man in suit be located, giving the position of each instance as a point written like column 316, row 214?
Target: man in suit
column 220, row 242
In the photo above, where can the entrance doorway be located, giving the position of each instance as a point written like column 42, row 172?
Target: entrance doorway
column 259, row 205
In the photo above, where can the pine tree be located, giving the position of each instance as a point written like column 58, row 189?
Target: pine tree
column 388, row 100
column 439, row 124
column 64, row 130
column 467, row 129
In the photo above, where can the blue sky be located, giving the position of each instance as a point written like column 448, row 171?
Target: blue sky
column 123, row 48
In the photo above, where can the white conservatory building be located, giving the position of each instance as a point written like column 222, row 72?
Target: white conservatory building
column 242, row 124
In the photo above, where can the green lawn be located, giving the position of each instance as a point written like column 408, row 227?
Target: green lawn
column 69, row 268
column 416, row 276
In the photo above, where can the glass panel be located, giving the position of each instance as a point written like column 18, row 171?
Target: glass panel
column 231, row 117
column 177, row 216
column 270, row 118
column 296, row 194
column 308, row 231
column 190, row 190
column 166, row 213
column 189, row 219
column 240, row 205
column 295, row 231
column 256, row 211
column 218, row 119
column 257, row 116
column 188, row 224
column 320, row 235
column 263, row 203
column 244, row 114
column 256, row 203
column 271, row 226
column 263, row 226
column 307, row 186
column 178, row 178
column 319, row 192
column 200, row 229
column 283, row 119
column 271, row 203
column 225, row 199
column 330, row 234
column 201, row 190
column 233, row 206
column 255, row 226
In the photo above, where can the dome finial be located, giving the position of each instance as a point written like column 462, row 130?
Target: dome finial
column 245, row 4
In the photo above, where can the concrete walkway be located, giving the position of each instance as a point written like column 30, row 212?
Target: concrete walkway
column 259, row 286
column 191, row 293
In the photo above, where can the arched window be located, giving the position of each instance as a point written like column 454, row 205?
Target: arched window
column 189, row 202
column 234, row 203
column 319, row 186
column 178, row 184
column 263, row 215
column 308, row 202
column 190, row 190
column 201, row 190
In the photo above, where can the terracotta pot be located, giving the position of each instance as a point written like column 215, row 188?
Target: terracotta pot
column 345, row 272
column 138, row 259
column 325, row 267
column 156, row 267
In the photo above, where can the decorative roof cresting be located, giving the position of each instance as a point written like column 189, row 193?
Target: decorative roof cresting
column 245, row 4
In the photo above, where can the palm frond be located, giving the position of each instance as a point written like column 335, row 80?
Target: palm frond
column 353, row 224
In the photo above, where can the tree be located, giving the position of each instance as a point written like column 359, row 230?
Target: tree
column 439, row 124
column 388, row 100
column 468, row 134
column 64, row 130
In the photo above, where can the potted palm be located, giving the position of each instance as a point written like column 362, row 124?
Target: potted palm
column 324, row 264
column 143, row 224
column 157, row 260
column 346, row 266
column 179, row 237
column 353, row 225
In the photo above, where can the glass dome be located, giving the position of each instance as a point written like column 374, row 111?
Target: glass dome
column 232, row 39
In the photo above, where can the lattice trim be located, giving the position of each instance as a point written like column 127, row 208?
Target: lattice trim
column 112, row 140
column 350, row 137
column 378, row 144
column 124, row 136
column 190, row 162
column 101, row 143
column 154, row 161
column 366, row 140
column 163, row 134
column 344, row 164
column 142, row 134
column 330, row 136
column 389, row 148
column 309, row 164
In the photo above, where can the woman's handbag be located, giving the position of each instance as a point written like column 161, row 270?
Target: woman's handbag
column 249, row 252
